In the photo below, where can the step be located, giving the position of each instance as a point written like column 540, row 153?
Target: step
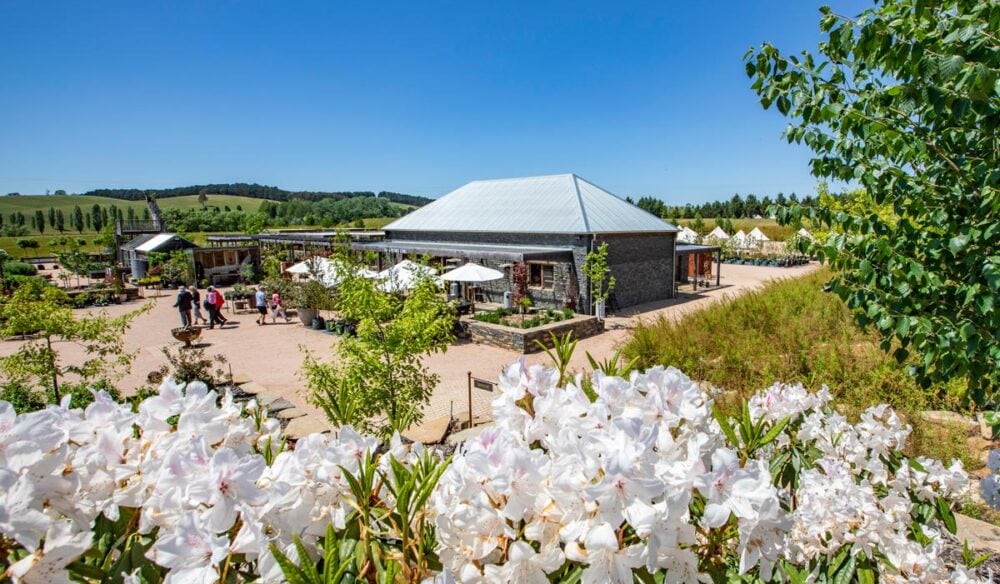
column 430, row 431
column 289, row 414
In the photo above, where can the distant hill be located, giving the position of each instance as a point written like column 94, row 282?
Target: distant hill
column 254, row 191
column 27, row 204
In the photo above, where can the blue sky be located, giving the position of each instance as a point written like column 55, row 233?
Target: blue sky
column 642, row 98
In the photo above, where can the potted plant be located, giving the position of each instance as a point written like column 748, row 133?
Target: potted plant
column 311, row 297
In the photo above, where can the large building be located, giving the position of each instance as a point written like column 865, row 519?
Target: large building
column 549, row 223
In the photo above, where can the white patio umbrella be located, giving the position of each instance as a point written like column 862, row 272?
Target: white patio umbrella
column 471, row 272
column 403, row 276
column 325, row 270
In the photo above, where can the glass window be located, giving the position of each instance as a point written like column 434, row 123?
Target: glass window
column 541, row 276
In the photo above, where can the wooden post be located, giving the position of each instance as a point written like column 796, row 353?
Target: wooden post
column 470, row 399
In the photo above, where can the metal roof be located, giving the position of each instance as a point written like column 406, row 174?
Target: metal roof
column 690, row 248
column 563, row 203
column 156, row 242
column 137, row 241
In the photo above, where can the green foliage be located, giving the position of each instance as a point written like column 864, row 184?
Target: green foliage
column 389, row 539
column 905, row 101
column 377, row 376
column 45, row 313
column 177, row 268
column 191, row 364
column 11, row 268
column 560, row 353
column 790, row 331
column 595, row 268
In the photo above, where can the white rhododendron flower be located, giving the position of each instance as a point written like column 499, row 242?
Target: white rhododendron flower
column 599, row 480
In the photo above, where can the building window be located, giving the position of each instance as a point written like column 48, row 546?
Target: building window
column 541, row 276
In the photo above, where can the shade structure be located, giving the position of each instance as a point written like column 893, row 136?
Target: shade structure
column 471, row 272
column 687, row 235
column 403, row 276
column 740, row 239
column 718, row 233
column 757, row 235
column 323, row 270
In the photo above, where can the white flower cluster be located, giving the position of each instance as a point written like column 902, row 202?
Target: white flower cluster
column 612, row 485
column 642, row 478
column 191, row 465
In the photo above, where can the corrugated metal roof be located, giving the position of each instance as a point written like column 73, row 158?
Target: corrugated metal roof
column 136, row 242
column 563, row 203
column 155, row 243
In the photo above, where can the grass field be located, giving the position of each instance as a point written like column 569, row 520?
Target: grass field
column 792, row 331
column 28, row 204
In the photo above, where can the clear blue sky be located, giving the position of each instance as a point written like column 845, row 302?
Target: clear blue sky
column 418, row 97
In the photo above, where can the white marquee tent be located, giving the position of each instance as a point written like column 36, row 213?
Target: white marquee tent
column 687, row 235
column 757, row 235
column 718, row 234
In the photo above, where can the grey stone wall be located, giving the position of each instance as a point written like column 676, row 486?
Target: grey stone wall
column 643, row 267
column 523, row 340
column 642, row 264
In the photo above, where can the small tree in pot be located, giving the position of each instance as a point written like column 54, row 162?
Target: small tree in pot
column 595, row 267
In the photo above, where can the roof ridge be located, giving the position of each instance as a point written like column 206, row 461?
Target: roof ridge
column 579, row 200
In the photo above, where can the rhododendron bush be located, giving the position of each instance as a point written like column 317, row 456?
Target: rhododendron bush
column 638, row 482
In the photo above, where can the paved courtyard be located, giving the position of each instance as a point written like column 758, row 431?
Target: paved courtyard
column 272, row 355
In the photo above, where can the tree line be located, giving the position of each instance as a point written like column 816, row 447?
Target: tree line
column 95, row 218
column 254, row 191
column 738, row 207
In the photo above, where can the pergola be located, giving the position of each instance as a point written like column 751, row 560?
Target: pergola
column 698, row 251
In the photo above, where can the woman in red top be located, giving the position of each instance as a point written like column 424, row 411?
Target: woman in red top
column 220, row 301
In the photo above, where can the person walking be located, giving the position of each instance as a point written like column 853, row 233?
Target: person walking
column 220, row 301
column 211, row 298
column 183, row 306
column 277, row 308
column 196, row 305
column 260, row 298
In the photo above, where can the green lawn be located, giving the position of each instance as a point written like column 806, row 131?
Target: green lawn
column 28, row 204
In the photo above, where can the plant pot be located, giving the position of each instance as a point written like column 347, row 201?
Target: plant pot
column 599, row 309
column 306, row 315
column 318, row 323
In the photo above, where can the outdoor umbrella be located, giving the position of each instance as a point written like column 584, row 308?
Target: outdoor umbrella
column 472, row 273
column 326, row 271
column 403, row 276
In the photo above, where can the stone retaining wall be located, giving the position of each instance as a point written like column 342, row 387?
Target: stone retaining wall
column 523, row 340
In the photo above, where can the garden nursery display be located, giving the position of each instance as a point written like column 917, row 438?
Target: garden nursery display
column 599, row 479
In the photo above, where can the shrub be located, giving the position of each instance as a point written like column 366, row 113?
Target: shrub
column 19, row 269
column 640, row 482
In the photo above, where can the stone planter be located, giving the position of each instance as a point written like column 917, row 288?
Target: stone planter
column 523, row 340
column 306, row 315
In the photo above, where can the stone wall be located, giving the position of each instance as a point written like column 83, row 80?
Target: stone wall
column 523, row 340
column 643, row 267
column 642, row 264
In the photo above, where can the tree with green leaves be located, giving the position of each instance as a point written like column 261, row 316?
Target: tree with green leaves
column 40, row 220
column 97, row 217
column 44, row 312
column 904, row 101
column 76, row 219
column 74, row 260
column 26, row 244
column 60, row 222
column 377, row 381
column 597, row 270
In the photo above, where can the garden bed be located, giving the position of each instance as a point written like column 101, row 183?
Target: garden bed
column 522, row 340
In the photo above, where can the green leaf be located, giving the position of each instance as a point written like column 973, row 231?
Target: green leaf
column 945, row 514
column 726, row 428
column 775, row 430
